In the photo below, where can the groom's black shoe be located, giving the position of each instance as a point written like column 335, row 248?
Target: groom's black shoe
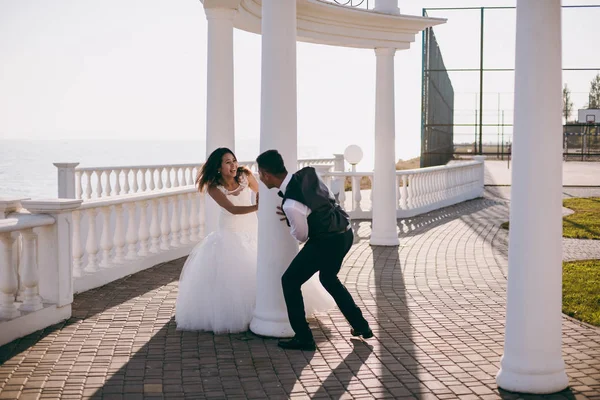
column 366, row 333
column 298, row 344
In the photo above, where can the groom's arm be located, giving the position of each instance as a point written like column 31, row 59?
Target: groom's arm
column 297, row 214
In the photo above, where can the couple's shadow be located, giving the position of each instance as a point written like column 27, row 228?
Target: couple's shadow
column 338, row 382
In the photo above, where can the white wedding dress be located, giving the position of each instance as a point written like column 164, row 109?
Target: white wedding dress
column 217, row 286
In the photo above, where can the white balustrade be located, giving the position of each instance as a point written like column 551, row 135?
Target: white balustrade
column 136, row 231
column 103, row 182
column 419, row 190
column 35, row 276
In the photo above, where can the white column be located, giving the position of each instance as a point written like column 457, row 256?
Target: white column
column 387, row 6
column 532, row 360
column 276, row 248
column 385, row 230
column 220, row 124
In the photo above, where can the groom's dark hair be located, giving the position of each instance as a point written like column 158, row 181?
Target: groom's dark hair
column 272, row 162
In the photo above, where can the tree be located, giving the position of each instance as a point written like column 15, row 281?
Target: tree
column 594, row 99
column 567, row 103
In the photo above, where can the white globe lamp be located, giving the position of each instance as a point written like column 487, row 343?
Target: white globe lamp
column 353, row 155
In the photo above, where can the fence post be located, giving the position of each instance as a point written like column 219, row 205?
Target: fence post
column 66, row 180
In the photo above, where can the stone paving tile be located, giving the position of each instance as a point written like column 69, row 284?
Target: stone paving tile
column 436, row 304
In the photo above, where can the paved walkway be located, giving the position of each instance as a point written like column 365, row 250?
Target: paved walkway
column 436, row 304
column 575, row 173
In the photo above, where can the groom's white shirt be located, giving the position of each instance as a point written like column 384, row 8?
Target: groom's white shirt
column 296, row 213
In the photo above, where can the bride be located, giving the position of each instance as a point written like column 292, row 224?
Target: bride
column 217, row 286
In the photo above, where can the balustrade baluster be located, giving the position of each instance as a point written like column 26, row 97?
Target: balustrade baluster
column 168, row 180
column 152, row 185
column 106, row 242
column 117, row 182
column 194, row 217
column 165, row 226
column 154, row 228
column 78, row 185
column 185, row 221
column 91, row 246
column 135, row 187
column 126, row 187
column 99, row 184
column 398, row 191
column 29, row 272
column 88, row 188
column 175, row 228
column 8, row 279
column 159, row 182
column 143, row 233
column 357, row 197
column 108, row 189
column 404, row 193
column 176, row 177
column 77, row 248
column 119, row 239
column 342, row 193
column 131, row 236
column 143, row 185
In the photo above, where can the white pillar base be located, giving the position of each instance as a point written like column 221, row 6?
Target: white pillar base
column 385, row 240
column 523, row 382
column 276, row 326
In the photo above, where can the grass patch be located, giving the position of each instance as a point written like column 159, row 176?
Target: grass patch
column 581, row 291
column 584, row 223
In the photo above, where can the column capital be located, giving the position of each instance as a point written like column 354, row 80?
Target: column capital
column 385, row 51
column 220, row 13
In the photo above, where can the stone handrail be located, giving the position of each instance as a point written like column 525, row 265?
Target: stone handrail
column 120, row 235
column 102, row 182
column 55, row 248
column 35, row 268
column 417, row 191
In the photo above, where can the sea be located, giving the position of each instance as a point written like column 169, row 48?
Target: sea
column 27, row 170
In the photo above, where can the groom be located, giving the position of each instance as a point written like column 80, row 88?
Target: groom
column 315, row 218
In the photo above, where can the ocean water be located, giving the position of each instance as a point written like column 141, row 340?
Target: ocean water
column 27, row 170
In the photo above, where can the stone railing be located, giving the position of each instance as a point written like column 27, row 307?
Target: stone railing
column 52, row 249
column 35, row 265
column 121, row 235
column 104, row 182
column 418, row 191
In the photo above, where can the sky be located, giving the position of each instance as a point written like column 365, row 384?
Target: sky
column 136, row 70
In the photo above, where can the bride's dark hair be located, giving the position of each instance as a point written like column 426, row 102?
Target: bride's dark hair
column 209, row 174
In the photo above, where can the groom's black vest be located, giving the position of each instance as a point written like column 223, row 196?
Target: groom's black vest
column 326, row 217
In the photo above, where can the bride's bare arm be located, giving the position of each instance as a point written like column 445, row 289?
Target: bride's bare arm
column 252, row 182
column 222, row 200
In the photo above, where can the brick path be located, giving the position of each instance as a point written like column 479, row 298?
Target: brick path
column 436, row 304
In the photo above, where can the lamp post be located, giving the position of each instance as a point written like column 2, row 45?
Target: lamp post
column 353, row 155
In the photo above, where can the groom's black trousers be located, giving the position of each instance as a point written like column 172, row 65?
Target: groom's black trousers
column 324, row 254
